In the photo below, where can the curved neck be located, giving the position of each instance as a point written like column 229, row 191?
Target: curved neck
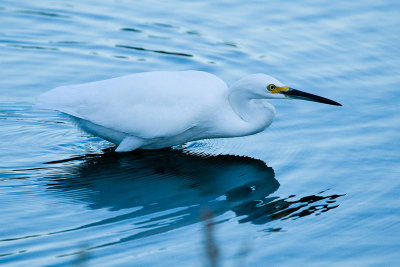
column 257, row 114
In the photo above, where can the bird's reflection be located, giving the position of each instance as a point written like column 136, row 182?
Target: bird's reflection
column 165, row 190
column 165, row 179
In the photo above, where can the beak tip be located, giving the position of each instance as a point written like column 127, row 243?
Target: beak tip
column 337, row 104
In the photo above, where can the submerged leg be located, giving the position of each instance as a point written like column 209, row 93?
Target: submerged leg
column 129, row 143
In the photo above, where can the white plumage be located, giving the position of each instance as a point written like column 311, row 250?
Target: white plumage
column 153, row 110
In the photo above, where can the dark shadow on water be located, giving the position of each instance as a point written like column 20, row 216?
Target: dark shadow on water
column 167, row 189
column 164, row 179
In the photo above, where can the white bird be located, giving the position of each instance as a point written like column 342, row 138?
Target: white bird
column 153, row 110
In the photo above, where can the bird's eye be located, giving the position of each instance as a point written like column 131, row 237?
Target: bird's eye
column 271, row 87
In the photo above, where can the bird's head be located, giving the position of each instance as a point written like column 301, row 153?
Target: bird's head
column 262, row 86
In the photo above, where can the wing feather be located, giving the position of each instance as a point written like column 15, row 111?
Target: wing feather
column 147, row 105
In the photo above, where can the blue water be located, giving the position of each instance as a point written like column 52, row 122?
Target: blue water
column 320, row 186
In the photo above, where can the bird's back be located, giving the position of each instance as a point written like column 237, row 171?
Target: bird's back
column 147, row 105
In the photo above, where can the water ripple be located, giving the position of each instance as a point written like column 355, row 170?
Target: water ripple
column 42, row 13
column 154, row 51
column 66, row 193
column 180, row 185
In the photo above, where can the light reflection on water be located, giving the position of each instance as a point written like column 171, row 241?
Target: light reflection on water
column 319, row 186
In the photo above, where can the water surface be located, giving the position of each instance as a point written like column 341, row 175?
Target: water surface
column 320, row 186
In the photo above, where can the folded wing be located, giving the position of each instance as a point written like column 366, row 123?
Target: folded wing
column 146, row 105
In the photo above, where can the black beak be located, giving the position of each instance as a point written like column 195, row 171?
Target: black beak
column 297, row 94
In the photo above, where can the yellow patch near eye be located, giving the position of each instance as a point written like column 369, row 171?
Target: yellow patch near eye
column 276, row 90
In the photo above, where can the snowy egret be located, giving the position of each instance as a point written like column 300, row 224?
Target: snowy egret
column 153, row 110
